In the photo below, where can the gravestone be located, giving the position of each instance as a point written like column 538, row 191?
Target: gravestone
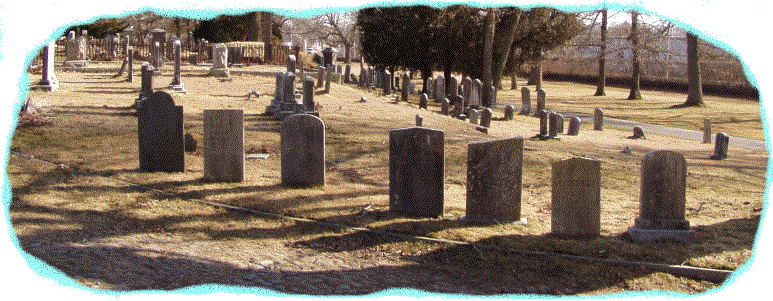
column 412, row 88
column 721, row 142
column 160, row 134
column 543, row 124
column 475, row 94
column 574, row 126
column 190, row 143
column 553, row 131
column 157, row 60
column 453, row 87
column 509, row 111
column 473, row 114
column 485, row 117
column 706, row 130
column 638, row 133
column 321, row 76
column 419, row 120
column 466, row 89
column 220, row 61
column 416, row 163
column 576, row 198
column 288, row 88
column 387, row 86
column 303, row 150
column 48, row 81
column 444, row 106
column 223, row 145
column 75, row 51
column 494, row 171
column 540, row 100
column 663, row 197
column 525, row 101
column 492, row 96
column 328, row 78
column 308, row 93
column 291, row 61
column 404, row 91
column 598, row 119
column 146, row 83
column 423, row 101
column 440, row 88
column 458, row 103
column 559, row 123
column 177, row 83
column 130, row 64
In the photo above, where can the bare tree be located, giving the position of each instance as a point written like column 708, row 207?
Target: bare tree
column 488, row 51
column 338, row 28
column 507, row 48
column 635, row 65
column 602, row 79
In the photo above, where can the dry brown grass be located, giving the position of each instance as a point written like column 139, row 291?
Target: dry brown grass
column 94, row 134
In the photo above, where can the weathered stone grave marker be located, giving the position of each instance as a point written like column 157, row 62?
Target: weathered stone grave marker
column 485, row 117
column 440, row 88
column 721, row 142
column 540, row 100
column 576, row 198
column 509, row 111
column 419, row 120
column 308, row 93
column 444, row 106
column 224, row 145
column 494, row 171
column 48, row 81
column 177, row 83
column 526, row 101
column 574, row 126
column 160, row 134
column 598, row 119
column 220, row 61
column 303, row 150
column 423, row 101
column 473, row 114
column 706, row 130
column 416, row 163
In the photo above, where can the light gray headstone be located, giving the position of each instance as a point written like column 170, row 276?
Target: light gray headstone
column 598, row 119
column 224, row 145
column 706, row 130
column 576, row 198
column 494, row 171
column 303, row 150
column 574, row 126
column 475, row 94
column 291, row 61
column 473, row 114
column 416, row 171
column 440, row 88
column 220, row 61
column 48, row 81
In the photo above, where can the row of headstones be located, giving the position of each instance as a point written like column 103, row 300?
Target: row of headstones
column 75, row 50
column 494, row 169
column 162, row 144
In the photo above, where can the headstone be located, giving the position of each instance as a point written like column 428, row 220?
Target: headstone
column 453, row 87
column 466, row 89
column 288, row 88
column 146, row 83
column 157, row 59
column 363, row 74
column 574, row 126
column 387, row 86
column 130, row 56
column 559, row 123
column 553, row 131
column 177, row 83
column 347, row 73
column 160, row 134
column 303, row 150
column 321, row 77
column 494, row 171
column 412, row 88
column 440, row 88
column 475, row 94
column 220, row 61
column 308, row 93
column 423, row 101
column 416, row 171
column 485, row 117
column 638, row 133
column 444, row 106
column 492, row 96
column 543, row 124
column 48, row 81
column 458, row 103
column 721, row 142
column 190, row 143
column 706, row 130
column 509, row 111
column 291, row 61
column 598, row 119
column 473, row 114
column 525, row 101
column 540, row 100
column 404, row 90
column 75, row 51
column 224, row 145
column 576, row 198
column 663, row 197
column 419, row 120
column 328, row 78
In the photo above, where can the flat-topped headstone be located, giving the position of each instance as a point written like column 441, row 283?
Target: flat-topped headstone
column 220, row 61
column 423, row 101
column 509, row 111
column 574, row 126
column 598, row 119
column 494, row 171
column 146, row 83
column 492, row 95
column 48, row 81
column 160, row 134
column 347, row 73
column 303, row 150
column 453, row 87
column 485, row 117
column 177, row 83
column 445, row 106
column 525, row 101
column 288, row 88
column 466, row 89
column 706, row 130
column 223, row 145
column 543, row 124
column 721, row 142
column 130, row 64
column 321, row 77
column 662, row 201
column 328, row 79
column 540, row 100
column 576, row 198
column 416, row 171
column 473, row 114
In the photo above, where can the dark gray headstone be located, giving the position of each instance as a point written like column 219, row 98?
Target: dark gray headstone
column 574, row 126
column 553, row 131
column 540, row 100
column 328, row 79
column 419, row 120
column 291, row 61
column 543, row 123
column 706, row 130
column 494, row 171
column 416, row 171
column 721, row 142
column 177, row 83
column 160, row 134
column 453, row 87
column 525, row 101
column 663, row 197
column 347, row 73
column 485, row 117
column 404, row 90
column 423, row 101
column 321, row 77
column 303, row 150
column 576, row 198
column 638, row 133
column 308, row 93
column 466, row 89
column 444, row 106
column 190, row 143
column 130, row 64
column 387, row 85
column 509, row 111
column 440, row 88
column 223, row 145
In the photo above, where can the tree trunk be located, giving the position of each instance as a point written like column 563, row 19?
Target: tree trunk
column 488, row 52
column 695, row 89
column 506, row 53
column 636, row 72
column 347, row 56
column 602, row 80
column 252, row 26
column 267, row 34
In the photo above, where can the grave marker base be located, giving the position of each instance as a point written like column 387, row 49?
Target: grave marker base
column 647, row 235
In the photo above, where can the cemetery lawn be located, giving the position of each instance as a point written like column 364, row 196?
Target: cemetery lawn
column 84, row 215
